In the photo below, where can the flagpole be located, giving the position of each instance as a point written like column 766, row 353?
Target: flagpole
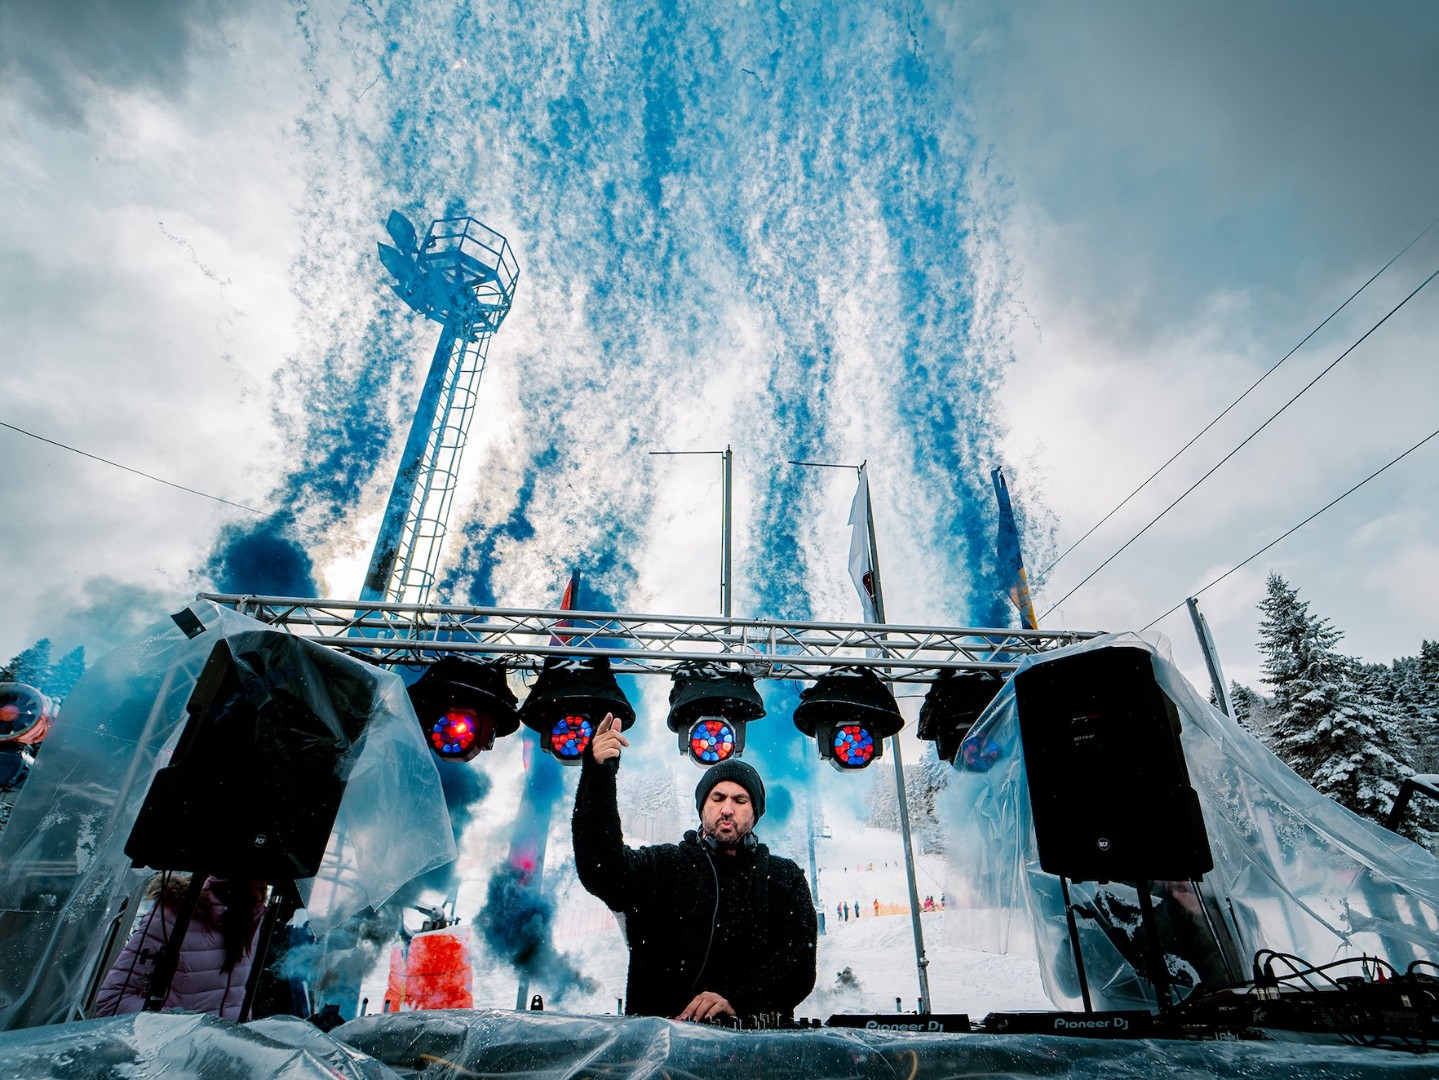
column 727, row 517
column 921, row 961
column 1211, row 657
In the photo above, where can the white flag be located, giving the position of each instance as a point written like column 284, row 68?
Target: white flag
column 861, row 568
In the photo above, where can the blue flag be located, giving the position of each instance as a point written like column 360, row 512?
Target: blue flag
column 1011, row 563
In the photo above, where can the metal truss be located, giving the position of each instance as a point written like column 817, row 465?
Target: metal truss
column 644, row 644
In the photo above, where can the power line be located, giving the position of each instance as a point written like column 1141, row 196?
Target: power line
column 1215, row 468
column 1252, row 386
column 1295, row 529
column 137, row 472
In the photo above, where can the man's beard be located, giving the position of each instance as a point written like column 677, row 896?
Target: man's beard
column 734, row 840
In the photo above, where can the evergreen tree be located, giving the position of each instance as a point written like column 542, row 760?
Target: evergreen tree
column 1416, row 695
column 1243, row 699
column 66, row 673
column 31, row 667
column 921, row 783
column 1348, row 744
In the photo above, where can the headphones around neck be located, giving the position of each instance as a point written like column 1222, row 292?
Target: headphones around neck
column 749, row 843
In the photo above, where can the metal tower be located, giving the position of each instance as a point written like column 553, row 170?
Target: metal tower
column 463, row 277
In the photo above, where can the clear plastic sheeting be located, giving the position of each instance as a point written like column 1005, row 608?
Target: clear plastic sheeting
column 1294, row 871
column 179, row 1044
column 534, row 1045
column 64, row 876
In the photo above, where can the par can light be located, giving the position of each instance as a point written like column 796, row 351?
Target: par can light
column 853, row 745
column 712, row 739
column 954, row 702
column 25, row 715
column 463, row 705
column 461, row 734
column 709, row 708
column 849, row 712
column 570, row 737
column 567, row 703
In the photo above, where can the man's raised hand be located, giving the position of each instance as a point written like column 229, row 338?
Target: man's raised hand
column 608, row 739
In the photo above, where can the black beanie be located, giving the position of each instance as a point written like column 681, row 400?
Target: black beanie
column 740, row 773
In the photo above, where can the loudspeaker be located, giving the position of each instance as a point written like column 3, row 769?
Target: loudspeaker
column 1107, row 779
column 255, row 782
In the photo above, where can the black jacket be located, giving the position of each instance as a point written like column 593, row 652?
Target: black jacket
column 740, row 925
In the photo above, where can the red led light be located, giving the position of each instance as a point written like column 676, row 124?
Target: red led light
column 711, row 741
column 454, row 734
column 853, row 746
column 570, row 736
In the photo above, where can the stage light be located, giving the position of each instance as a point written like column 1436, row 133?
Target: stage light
column 854, row 746
column 460, row 734
column 570, row 737
column 25, row 715
column 712, row 739
column 463, row 706
column 709, row 708
column 849, row 712
column 567, row 703
column 954, row 702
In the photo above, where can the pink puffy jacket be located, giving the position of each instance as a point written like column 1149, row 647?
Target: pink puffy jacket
column 201, row 984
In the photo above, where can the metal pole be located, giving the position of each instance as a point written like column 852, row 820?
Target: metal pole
column 921, row 961
column 1211, row 657
column 726, row 581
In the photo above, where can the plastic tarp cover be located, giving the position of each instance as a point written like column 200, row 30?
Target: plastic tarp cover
column 64, row 876
column 1294, row 872
column 535, row 1045
column 183, row 1044
column 520, row 1044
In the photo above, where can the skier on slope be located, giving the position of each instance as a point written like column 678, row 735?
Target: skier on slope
column 716, row 925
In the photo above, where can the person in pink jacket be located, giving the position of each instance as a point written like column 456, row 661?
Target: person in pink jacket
column 214, row 959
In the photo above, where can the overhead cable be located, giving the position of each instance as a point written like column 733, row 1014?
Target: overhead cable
column 137, row 472
column 1252, row 386
column 1295, row 529
column 1244, row 443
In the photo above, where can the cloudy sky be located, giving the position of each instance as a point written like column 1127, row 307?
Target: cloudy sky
column 933, row 237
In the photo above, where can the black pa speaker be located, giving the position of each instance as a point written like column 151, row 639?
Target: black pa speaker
column 255, row 782
column 1107, row 778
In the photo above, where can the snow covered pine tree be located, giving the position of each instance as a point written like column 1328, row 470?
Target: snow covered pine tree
column 1348, row 745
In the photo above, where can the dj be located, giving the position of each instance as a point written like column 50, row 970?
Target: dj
column 716, row 925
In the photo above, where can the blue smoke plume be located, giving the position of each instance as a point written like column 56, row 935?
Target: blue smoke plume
column 786, row 204
column 264, row 559
column 516, row 923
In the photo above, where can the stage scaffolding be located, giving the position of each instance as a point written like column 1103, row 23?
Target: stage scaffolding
column 409, row 634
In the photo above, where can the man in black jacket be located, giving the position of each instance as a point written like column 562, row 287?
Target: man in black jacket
column 716, row 925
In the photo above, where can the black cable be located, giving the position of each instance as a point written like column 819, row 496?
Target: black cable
column 1241, row 397
column 1215, row 468
column 157, row 479
column 1295, row 529
column 714, row 919
column 137, row 472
